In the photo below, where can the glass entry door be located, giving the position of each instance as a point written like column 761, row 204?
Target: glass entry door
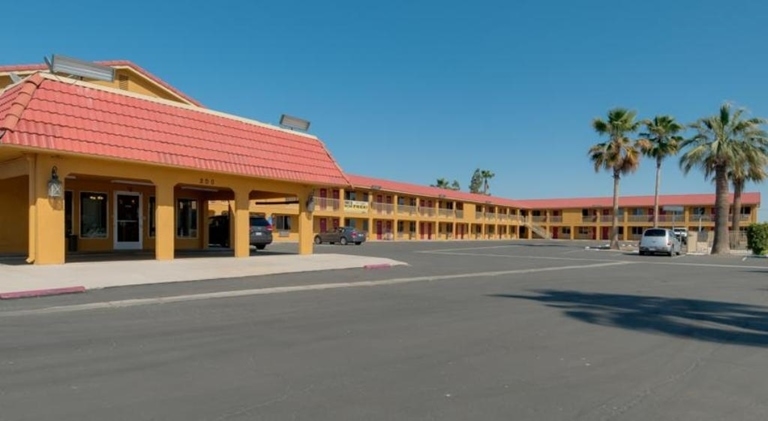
column 128, row 221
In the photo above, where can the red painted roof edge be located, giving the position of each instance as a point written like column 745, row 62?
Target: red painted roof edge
column 110, row 63
column 23, row 95
column 357, row 181
column 335, row 162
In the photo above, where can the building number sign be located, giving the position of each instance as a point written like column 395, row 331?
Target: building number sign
column 207, row 181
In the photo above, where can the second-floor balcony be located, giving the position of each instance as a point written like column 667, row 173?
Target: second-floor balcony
column 427, row 211
column 445, row 213
column 459, row 213
column 479, row 215
column 383, row 208
column 640, row 218
column 539, row 218
column 325, row 204
column 588, row 218
column 609, row 218
column 556, row 219
column 407, row 210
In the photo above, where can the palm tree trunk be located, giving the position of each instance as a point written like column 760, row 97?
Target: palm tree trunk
column 615, row 226
column 720, row 245
column 738, row 187
column 656, row 194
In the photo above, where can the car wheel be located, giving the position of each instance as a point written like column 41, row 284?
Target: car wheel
column 343, row 241
column 261, row 247
column 318, row 240
column 358, row 243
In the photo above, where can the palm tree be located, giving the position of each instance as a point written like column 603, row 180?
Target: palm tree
column 619, row 154
column 662, row 140
column 441, row 183
column 486, row 175
column 751, row 169
column 723, row 142
column 455, row 185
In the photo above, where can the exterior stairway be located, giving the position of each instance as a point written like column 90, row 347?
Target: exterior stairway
column 537, row 229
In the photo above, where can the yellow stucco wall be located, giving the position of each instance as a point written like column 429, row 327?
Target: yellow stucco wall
column 14, row 215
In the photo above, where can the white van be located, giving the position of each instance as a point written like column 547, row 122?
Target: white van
column 660, row 240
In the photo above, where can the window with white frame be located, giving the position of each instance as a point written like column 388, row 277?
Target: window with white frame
column 93, row 215
column 584, row 231
column 637, row 230
column 186, row 218
column 567, row 230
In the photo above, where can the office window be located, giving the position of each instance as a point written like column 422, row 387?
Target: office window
column 746, row 210
column 152, row 217
column 567, row 230
column 697, row 211
column 93, row 215
column 186, row 218
column 365, row 225
column 585, row 212
column 283, row 222
column 584, row 231
column 637, row 230
column 400, row 226
column 412, row 226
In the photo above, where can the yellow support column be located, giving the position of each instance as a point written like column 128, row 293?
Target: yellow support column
column 165, row 221
column 306, row 231
column 242, row 222
column 50, row 239
column 32, row 208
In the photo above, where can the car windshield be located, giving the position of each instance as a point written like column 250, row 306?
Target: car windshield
column 259, row 222
column 655, row 233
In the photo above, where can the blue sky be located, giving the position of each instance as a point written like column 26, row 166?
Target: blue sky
column 414, row 91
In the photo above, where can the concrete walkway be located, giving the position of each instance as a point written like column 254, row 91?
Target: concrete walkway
column 17, row 281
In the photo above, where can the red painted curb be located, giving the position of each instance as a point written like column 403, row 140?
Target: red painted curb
column 41, row 292
column 378, row 266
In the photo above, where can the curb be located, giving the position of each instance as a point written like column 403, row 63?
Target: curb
column 378, row 266
column 41, row 292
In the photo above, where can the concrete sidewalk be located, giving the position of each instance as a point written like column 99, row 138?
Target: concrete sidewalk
column 17, row 281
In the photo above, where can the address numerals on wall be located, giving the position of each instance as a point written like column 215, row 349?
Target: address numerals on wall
column 207, row 181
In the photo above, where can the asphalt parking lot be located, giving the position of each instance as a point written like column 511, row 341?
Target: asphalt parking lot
column 471, row 330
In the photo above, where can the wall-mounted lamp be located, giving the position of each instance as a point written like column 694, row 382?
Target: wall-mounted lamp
column 311, row 203
column 55, row 188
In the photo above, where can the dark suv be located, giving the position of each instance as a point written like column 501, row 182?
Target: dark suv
column 261, row 231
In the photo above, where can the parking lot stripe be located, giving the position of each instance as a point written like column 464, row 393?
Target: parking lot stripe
column 282, row 290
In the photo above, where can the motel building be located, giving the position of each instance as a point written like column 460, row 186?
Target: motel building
column 90, row 163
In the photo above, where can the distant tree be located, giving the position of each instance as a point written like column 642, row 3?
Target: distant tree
column 455, row 185
column 476, row 184
column 619, row 154
column 441, row 183
column 752, row 169
column 722, row 142
column 662, row 141
column 486, row 175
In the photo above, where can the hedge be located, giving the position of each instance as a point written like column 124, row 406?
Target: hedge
column 757, row 238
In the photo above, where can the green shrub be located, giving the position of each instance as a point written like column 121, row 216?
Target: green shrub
column 757, row 238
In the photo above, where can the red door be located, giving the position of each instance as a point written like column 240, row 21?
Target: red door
column 336, row 201
column 461, row 231
column 421, row 230
column 335, row 223
column 389, row 227
column 606, row 233
column 378, row 230
column 323, row 196
column 429, row 227
column 323, row 225
column 554, row 232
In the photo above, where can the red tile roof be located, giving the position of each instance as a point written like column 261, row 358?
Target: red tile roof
column 752, row 198
column 110, row 63
column 364, row 182
column 42, row 112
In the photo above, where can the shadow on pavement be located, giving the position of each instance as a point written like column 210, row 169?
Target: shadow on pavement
column 703, row 320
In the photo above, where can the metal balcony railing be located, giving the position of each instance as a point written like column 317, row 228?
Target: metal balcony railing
column 326, row 204
column 539, row 218
column 407, row 210
column 445, row 213
column 609, row 218
column 479, row 215
column 588, row 218
column 556, row 219
column 640, row 218
column 459, row 214
column 383, row 208
column 430, row 212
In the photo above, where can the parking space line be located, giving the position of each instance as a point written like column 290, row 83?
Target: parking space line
column 466, row 248
column 282, row 290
